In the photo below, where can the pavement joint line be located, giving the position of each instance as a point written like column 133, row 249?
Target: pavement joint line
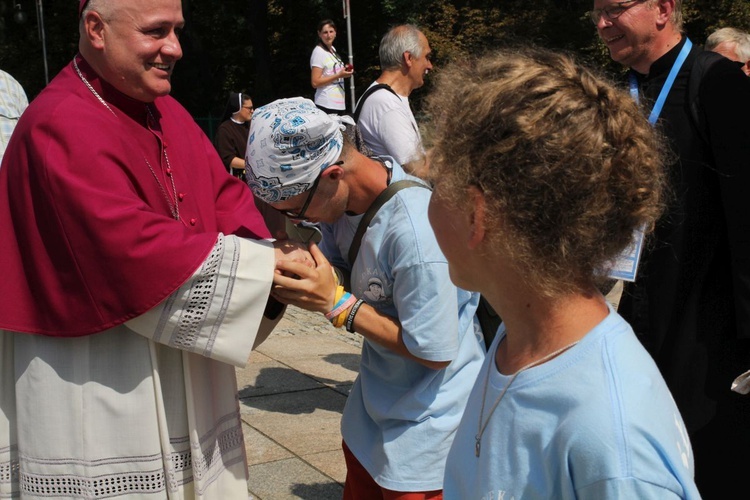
column 292, row 453
column 300, row 323
column 291, row 391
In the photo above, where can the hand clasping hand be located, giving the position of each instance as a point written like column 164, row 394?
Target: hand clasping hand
column 313, row 288
column 290, row 250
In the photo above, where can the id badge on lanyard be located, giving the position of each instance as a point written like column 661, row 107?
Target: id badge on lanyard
column 626, row 264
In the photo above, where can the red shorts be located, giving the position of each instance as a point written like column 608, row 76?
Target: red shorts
column 361, row 486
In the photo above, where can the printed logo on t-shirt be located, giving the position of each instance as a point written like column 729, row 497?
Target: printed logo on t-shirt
column 377, row 289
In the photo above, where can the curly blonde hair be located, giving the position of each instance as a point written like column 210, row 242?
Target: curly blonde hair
column 568, row 164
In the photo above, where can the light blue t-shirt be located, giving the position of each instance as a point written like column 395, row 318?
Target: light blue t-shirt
column 401, row 416
column 595, row 422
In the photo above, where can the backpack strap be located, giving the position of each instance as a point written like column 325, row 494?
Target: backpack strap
column 489, row 320
column 368, row 92
column 386, row 195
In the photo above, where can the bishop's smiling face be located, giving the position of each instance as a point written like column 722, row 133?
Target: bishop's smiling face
column 630, row 38
column 141, row 45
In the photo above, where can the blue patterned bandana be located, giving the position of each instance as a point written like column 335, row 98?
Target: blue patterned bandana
column 291, row 142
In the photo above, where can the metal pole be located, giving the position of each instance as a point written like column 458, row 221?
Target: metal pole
column 348, row 16
column 42, row 37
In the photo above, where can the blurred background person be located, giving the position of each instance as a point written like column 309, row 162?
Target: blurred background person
column 12, row 103
column 732, row 44
column 231, row 141
column 383, row 114
column 231, row 136
column 328, row 70
column 542, row 173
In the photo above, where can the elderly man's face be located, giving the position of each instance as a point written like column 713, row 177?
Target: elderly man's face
column 422, row 64
column 630, row 36
column 141, row 46
column 729, row 50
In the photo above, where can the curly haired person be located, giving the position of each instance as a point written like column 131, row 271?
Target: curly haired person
column 542, row 172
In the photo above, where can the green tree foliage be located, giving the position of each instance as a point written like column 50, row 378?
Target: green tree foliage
column 21, row 52
column 263, row 47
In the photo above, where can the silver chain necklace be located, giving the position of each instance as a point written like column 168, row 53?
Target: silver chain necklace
column 483, row 425
column 172, row 202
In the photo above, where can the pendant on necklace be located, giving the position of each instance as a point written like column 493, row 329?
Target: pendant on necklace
column 482, row 424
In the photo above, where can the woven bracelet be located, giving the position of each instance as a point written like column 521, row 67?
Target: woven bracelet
column 352, row 313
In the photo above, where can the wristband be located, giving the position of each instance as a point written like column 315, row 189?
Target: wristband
column 352, row 313
column 335, row 310
column 341, row 309
column 343, row 304
column 338, row 321
column 336, row 299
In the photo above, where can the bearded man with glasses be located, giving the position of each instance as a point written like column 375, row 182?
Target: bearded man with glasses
column 690, row 303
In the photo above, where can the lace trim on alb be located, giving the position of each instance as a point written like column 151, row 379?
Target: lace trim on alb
column 8, row 477
column 217, row 448
column 202, row 290
column 106, row 486
column 219, row 445
column 207, row 465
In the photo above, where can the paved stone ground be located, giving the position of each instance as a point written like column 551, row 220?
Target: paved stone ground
column 292, row 393
column 298, row 322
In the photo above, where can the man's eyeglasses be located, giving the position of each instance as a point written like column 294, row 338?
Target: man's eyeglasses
column 613, row 11
column 301, row 214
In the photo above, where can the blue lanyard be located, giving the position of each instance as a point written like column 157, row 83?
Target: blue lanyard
column 659, row 104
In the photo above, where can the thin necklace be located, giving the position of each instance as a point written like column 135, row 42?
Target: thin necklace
column 172, row 203
column 482, row 426
column 86, row 82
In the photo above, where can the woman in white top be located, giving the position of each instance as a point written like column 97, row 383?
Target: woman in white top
column 328, row 71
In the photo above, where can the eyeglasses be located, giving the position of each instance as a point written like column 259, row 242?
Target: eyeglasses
column 613, row 11
column 248, row 107
column 301, row 214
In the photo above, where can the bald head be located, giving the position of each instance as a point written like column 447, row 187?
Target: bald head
column 103, row 8
column 133, row 44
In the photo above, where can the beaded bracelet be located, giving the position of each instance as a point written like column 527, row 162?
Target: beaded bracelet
column 352, row 313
